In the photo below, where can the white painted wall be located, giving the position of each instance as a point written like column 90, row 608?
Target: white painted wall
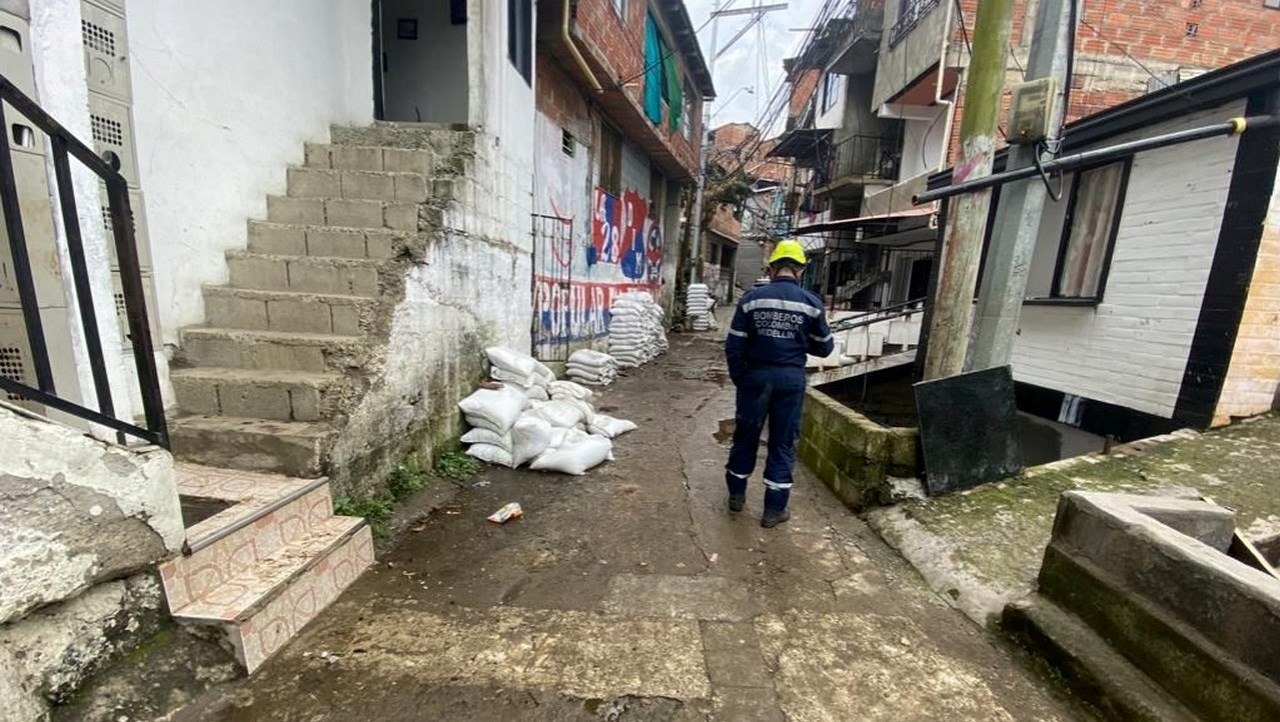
column 833, row 117
column 923, row 139
column 63, row 92
column 224, row 98
column 426, row 79
column 1131, row 350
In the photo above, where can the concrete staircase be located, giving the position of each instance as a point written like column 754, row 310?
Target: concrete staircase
column 264, row 385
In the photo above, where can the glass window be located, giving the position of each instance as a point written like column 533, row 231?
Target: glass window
column 830, row 91
column 1096, row 199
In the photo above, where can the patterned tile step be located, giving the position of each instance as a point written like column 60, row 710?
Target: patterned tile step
column 238, row 598
column 268, row 630
column 251, row 492
column 187, row 578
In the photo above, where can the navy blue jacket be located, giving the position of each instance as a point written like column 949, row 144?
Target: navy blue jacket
column 776, row 325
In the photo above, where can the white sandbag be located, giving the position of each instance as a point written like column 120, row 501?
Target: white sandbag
column 587, row 357
column 513, row 361
column 609, row 427
column 561, row 437
column 577, row 391
column 506, row 376
column 530, row 437
column 575, row 458
column 498, row 409
column 485, row 436
column 544, row 372
column 589, row 378
column 491, row 454
column 559, row 413
column 588, row 413
column 538, row 393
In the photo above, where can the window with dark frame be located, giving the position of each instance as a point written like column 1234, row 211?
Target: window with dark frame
column 520, row 37
column 830, row 90
column 1089, row 232
column 610, row 160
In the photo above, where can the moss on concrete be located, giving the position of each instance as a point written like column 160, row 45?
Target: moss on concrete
column 998, row 532
column 853, row 455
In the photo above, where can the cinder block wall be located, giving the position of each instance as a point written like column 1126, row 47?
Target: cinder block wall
column 853, row 455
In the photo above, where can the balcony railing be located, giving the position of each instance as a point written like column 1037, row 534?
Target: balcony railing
column 910, row 14
column 865, row 156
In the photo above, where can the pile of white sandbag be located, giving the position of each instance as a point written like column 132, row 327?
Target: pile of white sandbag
column 533, row 419
column 698, row 307
column 636, row 336
column 591, row 367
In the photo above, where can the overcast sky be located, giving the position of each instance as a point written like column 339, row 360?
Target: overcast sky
column 742, row 89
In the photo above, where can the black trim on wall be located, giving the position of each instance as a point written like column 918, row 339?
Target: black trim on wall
column 1096, row 417
column 1248, row 199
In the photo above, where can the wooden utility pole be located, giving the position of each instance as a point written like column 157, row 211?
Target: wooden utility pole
column 962, row 245
column 1017, row 224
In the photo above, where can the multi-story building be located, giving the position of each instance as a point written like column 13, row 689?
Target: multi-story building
column 619, row 114
column 886, row 111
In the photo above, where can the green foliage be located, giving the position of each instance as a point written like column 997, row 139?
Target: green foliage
column 457, row 466
column 406, row 478
column 375, row 510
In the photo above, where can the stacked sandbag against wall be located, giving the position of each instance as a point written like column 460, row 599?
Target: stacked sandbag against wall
column 591, row 367
column 636, row 336
column 698, row 306
column 528, row 417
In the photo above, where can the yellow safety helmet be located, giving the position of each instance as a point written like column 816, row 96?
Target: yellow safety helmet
column 788, row 250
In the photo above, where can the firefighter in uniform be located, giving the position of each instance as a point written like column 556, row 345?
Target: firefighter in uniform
column 774, row 328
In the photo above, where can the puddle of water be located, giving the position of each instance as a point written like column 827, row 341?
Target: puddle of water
column 725, row 434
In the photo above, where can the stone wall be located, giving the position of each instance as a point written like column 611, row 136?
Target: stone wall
column 82, row 523
column 852, row 454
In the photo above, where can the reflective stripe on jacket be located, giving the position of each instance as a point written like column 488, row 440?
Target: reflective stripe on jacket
column 777, row 325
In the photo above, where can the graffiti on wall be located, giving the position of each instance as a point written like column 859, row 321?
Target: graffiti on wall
column 624, row 233
column 578, row 311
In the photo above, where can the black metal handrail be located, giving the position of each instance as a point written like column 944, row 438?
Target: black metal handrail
column 910, row 14
column 65, row 146
column 868, row 156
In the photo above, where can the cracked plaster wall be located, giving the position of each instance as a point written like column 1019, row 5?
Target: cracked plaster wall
column 48, row 655
column 75, row 512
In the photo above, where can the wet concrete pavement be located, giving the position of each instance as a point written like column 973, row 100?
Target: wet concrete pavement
column 631, row 594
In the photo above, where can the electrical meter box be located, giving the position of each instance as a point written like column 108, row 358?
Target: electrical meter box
column 1032, row 111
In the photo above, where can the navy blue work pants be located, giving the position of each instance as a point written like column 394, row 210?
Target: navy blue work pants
column 774, row 395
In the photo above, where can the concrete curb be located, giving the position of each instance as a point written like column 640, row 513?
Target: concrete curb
column 978, row 598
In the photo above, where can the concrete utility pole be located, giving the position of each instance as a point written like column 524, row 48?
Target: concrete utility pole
column 758, row 12
column 962, row 245
column 1017, row 225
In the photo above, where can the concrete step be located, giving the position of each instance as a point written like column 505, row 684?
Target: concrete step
column 258, row 310
column 354, row 157
column 272, row 350
column 343, row 212
column 444, row 141
column 304, row 274
column 1093, row 669
column 271, row 599
column 278, row 447
column 359, row 185
column 266, row 511
column 288, row 239
column 261, row 394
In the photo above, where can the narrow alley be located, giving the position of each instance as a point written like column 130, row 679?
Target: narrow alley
column 631, row 594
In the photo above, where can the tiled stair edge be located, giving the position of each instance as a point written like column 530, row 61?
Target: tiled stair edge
column 218, row 553
column 277, row 617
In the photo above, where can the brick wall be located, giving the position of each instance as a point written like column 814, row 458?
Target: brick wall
column 1114, row 36
column 618, row 44
column 561, row 99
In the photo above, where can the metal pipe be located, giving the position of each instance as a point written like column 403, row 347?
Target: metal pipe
column 567, row 37
column 1235, row 126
